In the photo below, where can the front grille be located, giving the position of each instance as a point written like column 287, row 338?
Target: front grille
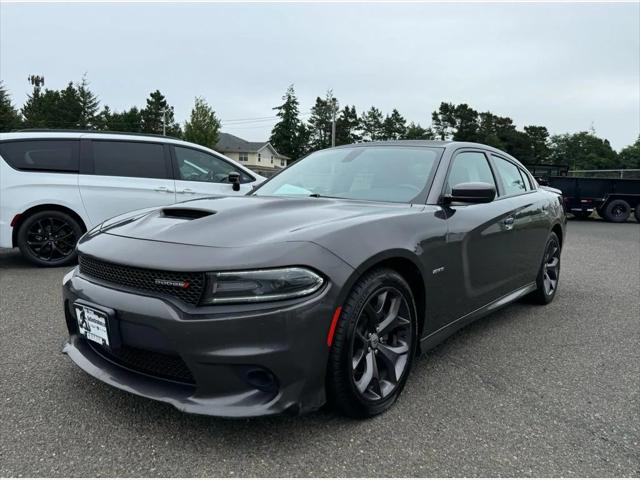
column 145, row 279
column 161, row 365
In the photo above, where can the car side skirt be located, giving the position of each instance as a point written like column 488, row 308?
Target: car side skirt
column 435, row 338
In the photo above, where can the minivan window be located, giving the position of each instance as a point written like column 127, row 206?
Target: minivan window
column 47, row 155
column 198, row 166
column 469, row 167
column 512, row 180
column 129, row 159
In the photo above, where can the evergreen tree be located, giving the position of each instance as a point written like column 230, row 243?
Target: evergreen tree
column 203, row 126
column 394, row 126
column 9, row 117
column 348, row 126
column 289, row 135
column 538, row 144
column 629, row 156
column 372, row 125
column 320, row 122
column 125, row 121
column 157, row 113
column 582, row 151
column 40, row 109
column 416, row 132
column 89, row 105
column 456, row 122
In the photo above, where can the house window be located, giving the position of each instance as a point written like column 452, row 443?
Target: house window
column 282, row 162
column 271, row 158
column 259, row 156
column 243, row 157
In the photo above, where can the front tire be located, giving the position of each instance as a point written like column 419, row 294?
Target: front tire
column 549, row 274
column 373, row 346
column 48, row 238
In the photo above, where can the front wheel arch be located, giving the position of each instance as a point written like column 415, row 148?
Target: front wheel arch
column 407, row 266
column 40, row 208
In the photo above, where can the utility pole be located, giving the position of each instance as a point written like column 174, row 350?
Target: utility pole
column 164, row 122
column 333, row 118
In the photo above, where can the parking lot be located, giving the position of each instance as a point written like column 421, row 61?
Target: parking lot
column 543, row 391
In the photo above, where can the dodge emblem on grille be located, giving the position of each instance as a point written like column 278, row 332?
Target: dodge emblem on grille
column 172, row 283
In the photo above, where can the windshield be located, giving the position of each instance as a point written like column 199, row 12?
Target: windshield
column 388, row 174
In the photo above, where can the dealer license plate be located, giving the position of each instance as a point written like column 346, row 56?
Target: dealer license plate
column 93, row 324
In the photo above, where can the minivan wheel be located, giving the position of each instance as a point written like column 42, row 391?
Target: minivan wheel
column 48, row 238
column 373, row 346
column 549, row 273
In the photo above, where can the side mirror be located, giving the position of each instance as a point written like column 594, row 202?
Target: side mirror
column 472, row 192
column 234, row 180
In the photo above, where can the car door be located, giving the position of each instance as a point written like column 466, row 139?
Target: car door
column 480, row 241
column 531, row 218
column 119, row 176
column 201, row 174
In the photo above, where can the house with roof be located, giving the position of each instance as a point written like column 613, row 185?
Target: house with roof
column 260, row 157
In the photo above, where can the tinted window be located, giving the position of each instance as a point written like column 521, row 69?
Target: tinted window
column 527, row 180
column 199, row 166
column 394, row 174
column 469, row 167
column 512, row 181
column 49, row 155
column 129, row 159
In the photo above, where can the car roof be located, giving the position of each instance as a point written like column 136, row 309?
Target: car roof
column 44, row 134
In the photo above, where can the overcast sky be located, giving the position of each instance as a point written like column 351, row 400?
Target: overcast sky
column 565, row 66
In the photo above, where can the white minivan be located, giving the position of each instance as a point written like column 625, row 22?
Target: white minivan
column 54, row 186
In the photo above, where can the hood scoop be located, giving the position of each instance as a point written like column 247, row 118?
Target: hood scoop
column 186, row 213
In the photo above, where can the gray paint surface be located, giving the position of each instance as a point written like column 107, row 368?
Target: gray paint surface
column 527, row 391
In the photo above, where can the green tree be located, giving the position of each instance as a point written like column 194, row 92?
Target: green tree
column 456, row 122
column 416, row 132
column 629, row 156
column 348, row 126
column 125, row 121
column 203, row 126
column 320, row 122
column 89, row 105
column 538, row 144
column 40, row 109
column 372, row 125
column 9, row 117
column 394, row 126
column 289, row 135
column 158, row 113
column 582, row 151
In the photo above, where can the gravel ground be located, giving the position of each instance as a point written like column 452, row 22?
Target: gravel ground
column 528, row 391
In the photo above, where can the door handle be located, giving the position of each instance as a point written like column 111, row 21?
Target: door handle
column 186, row 190
column 164, row 189
column 508, row 222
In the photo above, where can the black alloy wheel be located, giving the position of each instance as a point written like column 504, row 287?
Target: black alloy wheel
column 380, row 347
column 373, row 346
column 49, row 238
column 549, row 274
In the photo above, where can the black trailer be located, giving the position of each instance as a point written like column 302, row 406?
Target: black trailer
column 613, row 198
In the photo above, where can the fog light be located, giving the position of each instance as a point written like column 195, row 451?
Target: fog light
column 262, row 380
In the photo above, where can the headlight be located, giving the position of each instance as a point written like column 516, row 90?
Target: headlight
column 261, row 285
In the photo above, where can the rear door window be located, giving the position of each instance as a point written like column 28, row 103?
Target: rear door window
column 45, row 155
column 129, row 159
column 198, row 166
column 511, row 177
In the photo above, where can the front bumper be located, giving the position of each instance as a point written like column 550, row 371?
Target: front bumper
column 222, row 347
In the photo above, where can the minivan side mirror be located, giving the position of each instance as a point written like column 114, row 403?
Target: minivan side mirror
column 472, row 192
column 234, row 180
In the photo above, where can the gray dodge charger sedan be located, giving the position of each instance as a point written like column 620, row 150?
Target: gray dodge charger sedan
column 320, row 286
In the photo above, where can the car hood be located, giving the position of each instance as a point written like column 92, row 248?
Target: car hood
column 249, row 220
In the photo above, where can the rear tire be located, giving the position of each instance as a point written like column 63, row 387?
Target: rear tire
column 549, row 274
column 373, row 346
column 48, row 238
column 617, row 211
